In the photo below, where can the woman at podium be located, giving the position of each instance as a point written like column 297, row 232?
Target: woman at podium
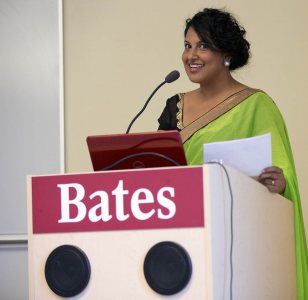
column 222, row 108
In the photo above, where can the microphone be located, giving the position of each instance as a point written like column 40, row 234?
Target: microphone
column 172, row 76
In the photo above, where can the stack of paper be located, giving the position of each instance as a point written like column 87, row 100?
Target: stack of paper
column 249, row 155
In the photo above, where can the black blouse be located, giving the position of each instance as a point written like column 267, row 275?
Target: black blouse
column 168, row 119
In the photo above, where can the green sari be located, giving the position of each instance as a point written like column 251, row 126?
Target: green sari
column 254, row 116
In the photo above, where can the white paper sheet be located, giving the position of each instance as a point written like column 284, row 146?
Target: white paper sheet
column 250, row 155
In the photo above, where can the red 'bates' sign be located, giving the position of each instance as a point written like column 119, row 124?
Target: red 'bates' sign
column 139, row 199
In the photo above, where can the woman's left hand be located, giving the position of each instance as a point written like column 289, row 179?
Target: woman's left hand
column 273, row 179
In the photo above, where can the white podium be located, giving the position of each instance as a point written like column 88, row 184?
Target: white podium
column 238, row 237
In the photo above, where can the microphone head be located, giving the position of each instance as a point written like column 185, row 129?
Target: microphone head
column 172, row 76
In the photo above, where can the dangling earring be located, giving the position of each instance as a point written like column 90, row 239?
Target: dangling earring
column 227, row 63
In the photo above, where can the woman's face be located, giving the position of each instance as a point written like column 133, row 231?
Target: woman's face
column 202, row 65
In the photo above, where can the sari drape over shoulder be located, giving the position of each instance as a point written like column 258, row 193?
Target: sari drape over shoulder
column 254, row 115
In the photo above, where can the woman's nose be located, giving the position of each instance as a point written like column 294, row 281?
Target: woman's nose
column 193, row 53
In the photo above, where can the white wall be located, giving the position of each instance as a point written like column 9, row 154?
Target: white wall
column 30, row 122
column 117, row 52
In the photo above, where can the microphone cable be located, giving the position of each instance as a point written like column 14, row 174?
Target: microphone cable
column 111, row 166
column 231, row 225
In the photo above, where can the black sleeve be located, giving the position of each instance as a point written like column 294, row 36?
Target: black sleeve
column 167, row 120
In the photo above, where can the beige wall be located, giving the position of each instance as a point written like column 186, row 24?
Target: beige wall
column 117, row 51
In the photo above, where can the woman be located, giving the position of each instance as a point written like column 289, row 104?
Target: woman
column 222, row 108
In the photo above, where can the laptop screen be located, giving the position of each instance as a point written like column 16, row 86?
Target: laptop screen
column 136, row 150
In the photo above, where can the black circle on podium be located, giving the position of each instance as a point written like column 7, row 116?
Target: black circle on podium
column 67, row 271
column 167, row 268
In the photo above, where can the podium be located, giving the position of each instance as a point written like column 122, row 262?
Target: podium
column 224, row 235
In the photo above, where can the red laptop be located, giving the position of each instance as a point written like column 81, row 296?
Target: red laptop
column 136, row 150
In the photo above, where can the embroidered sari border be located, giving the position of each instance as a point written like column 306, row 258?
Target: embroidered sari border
column 219, row 110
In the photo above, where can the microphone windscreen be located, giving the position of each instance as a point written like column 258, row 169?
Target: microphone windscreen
column 172, row 76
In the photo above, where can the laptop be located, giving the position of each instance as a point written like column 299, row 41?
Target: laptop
column 136, row 150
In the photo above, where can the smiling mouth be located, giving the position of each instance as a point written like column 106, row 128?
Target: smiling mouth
column 195, row 66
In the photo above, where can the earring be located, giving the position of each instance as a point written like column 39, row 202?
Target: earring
column 227, row 63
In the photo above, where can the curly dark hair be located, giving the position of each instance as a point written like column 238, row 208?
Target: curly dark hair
column 221, row 32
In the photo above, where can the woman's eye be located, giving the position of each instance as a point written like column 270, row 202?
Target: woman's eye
column 186, row 46
column 202, row 46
